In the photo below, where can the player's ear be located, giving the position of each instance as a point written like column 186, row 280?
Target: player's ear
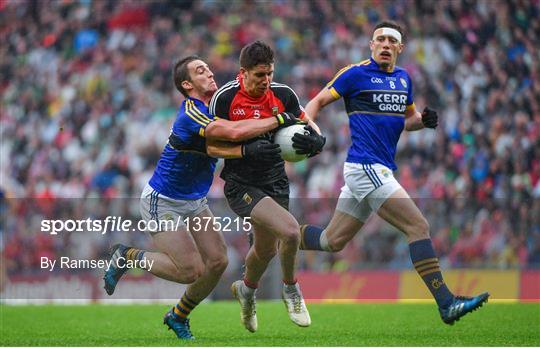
column 188, row 86
column 400, row 48
column 243, row 72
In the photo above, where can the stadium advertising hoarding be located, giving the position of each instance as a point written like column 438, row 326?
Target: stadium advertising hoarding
column 366, row 286
column 391, row 286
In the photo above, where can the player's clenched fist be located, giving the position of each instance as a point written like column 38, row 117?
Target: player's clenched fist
column 430, row 119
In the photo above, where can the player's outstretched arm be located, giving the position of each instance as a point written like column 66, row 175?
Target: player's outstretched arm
column 322, row 99
column 238, row 131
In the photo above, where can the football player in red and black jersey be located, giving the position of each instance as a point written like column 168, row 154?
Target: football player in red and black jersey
column 260, row 188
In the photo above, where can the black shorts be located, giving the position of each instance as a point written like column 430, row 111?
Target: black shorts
column 243, row 198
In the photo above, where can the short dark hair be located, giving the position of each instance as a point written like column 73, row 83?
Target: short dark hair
column 256, row 53
column 181, row 72
column 393, row 25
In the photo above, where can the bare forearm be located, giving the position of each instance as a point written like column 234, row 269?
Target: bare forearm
column 311, row 123
column 222, row 149
column 252, row 128
column 312, row 109
column 322, row 99
column 414, row 122
column 239, row 131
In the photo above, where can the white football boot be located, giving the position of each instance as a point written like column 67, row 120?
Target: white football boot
column 292, row 296
column 248, row 313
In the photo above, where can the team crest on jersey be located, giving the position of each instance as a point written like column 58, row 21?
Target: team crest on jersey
column 275, row 110
column 403, row 82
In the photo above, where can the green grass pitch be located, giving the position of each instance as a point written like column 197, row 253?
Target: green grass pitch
column 218, row 324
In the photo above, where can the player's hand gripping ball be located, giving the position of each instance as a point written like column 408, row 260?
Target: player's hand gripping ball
column 310, row 143
column 284, row 138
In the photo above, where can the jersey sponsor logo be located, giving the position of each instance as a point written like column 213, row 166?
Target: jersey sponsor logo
column 385, row 102
column 239, row 112
column 390, row 102
column 389, row 98
column 376, row 80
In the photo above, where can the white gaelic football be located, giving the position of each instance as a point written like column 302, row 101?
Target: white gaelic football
column 283, row 138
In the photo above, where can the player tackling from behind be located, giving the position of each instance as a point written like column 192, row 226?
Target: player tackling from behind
column 178, row 189
column 379, row 102
column 260, row 188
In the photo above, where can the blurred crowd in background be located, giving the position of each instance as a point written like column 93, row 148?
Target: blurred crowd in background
column 88, row 101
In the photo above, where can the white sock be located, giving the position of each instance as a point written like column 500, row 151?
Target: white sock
column 323, row 241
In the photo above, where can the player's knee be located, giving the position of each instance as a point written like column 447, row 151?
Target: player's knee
column 291, row 239
column 217, row 265
column 291, row 234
